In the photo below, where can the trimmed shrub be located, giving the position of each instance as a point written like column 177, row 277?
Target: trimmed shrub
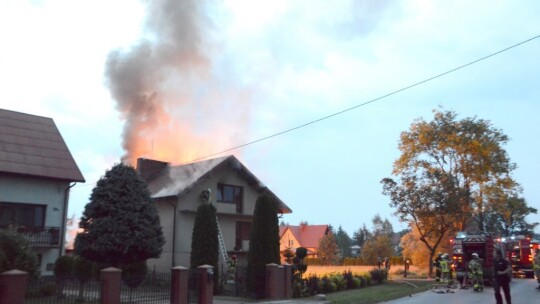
column 313, row 284
column 349, row 278
column 378, row 275
column 368, row 279
column 357, row 282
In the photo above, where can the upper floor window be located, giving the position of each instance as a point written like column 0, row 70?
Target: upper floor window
column 22, row 215
column 231, row 195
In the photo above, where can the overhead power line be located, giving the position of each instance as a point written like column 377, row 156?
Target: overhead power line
column 367, row 102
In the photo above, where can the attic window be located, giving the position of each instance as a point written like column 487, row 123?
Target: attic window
column 229, row 194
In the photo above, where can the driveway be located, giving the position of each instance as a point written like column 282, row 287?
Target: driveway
column 522, row 290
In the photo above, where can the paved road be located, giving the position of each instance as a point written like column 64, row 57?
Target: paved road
column 522, row 290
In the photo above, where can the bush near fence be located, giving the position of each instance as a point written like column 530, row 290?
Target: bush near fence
column 337, row 281
column 358, row 261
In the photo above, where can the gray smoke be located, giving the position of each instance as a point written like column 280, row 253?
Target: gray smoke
column 164, row 87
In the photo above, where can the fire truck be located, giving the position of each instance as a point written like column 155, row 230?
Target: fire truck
column 518, row 250
column 464, row 245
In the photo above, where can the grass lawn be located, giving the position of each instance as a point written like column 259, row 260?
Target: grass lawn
column 379, row 293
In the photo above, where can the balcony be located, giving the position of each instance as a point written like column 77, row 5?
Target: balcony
column 41, row 237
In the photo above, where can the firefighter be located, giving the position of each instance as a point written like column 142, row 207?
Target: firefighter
column 536, row 266
column 445, row 269
column 476, row 272
column 437, row 265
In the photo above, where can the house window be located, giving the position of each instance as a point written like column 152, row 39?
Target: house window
column 22, row 215
column 230, row 194
column 242, row 235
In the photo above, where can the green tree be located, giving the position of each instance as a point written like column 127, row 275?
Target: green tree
column 469, row 152
column 446, row 173
column 414, row 249
column 506, row 216
column 204, row 238
column 361, row 236
column 263, row 243
column 381, row 227
column 16, row 253
column 344, row 242
column 288, row 254
column 328, row 250
column 380, row 246
column 120, row 223
column 430, row 204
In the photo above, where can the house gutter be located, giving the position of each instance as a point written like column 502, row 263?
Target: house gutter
column 62, row 235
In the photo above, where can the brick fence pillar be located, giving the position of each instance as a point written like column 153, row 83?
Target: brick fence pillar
column 179, row 285
column 13, row 285
column 206, row 284
column 111, row 282
column 274, row 283
column 287, row 281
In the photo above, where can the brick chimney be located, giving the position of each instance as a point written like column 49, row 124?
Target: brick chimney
column 149, row 169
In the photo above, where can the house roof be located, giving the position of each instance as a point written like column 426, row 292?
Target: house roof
column 306, row 235
column 177, row 180
column 32, row 145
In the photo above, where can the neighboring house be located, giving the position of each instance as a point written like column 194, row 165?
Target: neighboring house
column 307, row 236
column 355, row 250
column 177, row 190
column 36, row 172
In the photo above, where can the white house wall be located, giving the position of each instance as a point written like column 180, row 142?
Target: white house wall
column 186, row 211
column 15, row 189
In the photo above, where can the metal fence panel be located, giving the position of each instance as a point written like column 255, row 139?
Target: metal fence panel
column 155, row 289
column 47, row 290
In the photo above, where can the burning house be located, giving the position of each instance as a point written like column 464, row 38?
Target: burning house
column 177, row 194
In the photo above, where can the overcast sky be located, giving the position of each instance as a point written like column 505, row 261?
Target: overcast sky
column 179, row 80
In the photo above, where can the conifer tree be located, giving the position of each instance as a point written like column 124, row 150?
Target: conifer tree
column 120, row 223
column 263, row 243
column 204, row 239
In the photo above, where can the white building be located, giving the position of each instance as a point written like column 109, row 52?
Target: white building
column 36, row 174
column 177, row 194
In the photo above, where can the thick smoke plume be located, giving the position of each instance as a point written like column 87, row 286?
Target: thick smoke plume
column 175, row 106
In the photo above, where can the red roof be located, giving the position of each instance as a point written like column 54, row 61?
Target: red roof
column 307, row 235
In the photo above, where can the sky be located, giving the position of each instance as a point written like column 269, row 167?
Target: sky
column 181, row 80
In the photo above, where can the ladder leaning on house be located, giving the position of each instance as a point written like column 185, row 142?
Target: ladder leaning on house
column 222, row 247
column 206, row 196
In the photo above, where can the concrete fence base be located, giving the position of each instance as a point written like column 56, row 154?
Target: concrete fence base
column 278, row 281
column 13, row 285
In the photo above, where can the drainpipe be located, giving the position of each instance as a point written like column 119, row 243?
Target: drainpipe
column 173, row 260
column 62, row 235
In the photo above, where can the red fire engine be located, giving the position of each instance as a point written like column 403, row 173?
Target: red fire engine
column 518, row 250
column 467, row 243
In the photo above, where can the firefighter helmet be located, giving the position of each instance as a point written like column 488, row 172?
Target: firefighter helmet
column 475, row 255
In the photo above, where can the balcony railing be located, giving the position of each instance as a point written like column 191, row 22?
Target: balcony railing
column 41, row 237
